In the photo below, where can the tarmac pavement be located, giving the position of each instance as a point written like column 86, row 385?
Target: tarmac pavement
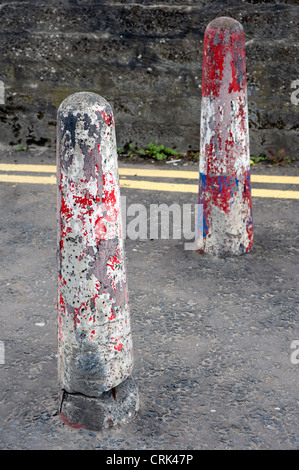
column 213, row 337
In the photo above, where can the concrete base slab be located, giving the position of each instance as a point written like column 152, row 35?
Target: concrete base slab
column 117, row 406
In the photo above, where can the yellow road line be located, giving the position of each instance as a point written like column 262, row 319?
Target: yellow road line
column 150, row 172
column 274, row 193
column 195, row 174
column 275, row 179
column 147, row 185
column 28, row 168
column 28, row 179
column 159, row 186
column 192, row 188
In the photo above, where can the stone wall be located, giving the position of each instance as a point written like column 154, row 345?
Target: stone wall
column 146, row 60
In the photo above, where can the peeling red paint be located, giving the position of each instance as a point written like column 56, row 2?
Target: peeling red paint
column 108, row 118
column 219, row 44
column 93, row 302
column 72, row 425
column 224, row 179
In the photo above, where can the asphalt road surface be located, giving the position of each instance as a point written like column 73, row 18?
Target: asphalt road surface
column 216, row 340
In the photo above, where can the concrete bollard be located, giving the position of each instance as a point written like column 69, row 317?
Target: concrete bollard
column 95, row 355
column 224, row 169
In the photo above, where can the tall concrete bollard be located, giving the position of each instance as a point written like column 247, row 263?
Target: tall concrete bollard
column 95, row 355
column 224, row 169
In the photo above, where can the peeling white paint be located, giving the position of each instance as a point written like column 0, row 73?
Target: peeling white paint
column 94, row 336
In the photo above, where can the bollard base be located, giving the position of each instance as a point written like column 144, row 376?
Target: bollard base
column 114, row 407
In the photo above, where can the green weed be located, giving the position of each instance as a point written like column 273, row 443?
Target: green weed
column 279, row 157
column 152, row 150
column 20, row 148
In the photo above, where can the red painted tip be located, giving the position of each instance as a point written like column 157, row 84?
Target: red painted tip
column 224, row 45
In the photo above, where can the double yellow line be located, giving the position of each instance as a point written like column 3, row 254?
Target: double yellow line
column 193, row 188
column 13, row 173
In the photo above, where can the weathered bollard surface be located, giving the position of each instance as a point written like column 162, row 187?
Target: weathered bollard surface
column 95, row 355
column 224, row 169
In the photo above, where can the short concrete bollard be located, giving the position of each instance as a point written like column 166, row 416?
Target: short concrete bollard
column 224, row 169
column 95, row 355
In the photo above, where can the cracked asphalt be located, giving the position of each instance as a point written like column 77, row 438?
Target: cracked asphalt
column 212, row 336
